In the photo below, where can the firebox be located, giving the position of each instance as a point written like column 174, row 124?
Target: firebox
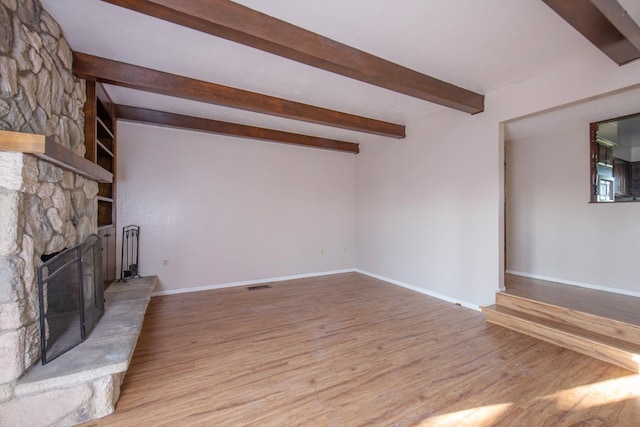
column 71, row 294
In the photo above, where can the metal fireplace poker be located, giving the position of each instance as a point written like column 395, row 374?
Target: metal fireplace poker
column 129, row 257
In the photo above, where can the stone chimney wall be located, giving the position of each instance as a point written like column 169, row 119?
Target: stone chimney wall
column 38, row 92
column 43, row 208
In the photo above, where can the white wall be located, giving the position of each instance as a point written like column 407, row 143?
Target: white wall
column 435, row 198
column 428, row 208
column 552, row 230
column 427, row 211
column 224, row 210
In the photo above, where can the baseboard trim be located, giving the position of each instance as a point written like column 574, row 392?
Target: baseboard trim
column 574, row 283
column 324, row 273
column 248, row 282
column 419, row 290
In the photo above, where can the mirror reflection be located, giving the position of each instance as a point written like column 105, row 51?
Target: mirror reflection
column 615, row 151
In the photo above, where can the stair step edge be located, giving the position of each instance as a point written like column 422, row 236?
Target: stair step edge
column 565, row 328
column 578, row 311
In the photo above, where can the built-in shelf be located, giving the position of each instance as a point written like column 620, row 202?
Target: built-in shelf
column 47, row 149
column 105, row 127
column 102, row 146
column 100, row 139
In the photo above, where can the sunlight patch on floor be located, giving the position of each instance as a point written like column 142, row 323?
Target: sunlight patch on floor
column 573, row 399
column 597, row 394
column 482, row 416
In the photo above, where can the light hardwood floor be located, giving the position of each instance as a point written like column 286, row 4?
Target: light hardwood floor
column 349, row 350
column 619, row 307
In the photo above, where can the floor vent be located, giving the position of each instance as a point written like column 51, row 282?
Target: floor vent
column 258, row 287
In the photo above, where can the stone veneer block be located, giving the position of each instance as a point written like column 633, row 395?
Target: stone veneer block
column 99, row 363
column 11, row 315
column 9, row 222
column 12, row 363
column 50, row 408
column 11, row 165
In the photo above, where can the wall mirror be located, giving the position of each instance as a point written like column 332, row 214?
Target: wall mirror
column 615, row 160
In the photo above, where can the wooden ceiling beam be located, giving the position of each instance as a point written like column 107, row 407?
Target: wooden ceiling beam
column 120, row 74
column 593, row 24
column 619, row 17
column 238, row 23
column 161, row 118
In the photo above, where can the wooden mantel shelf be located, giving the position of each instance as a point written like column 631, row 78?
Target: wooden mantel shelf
column 47, row 149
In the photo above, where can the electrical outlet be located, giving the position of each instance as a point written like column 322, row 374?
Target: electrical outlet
column 165, row 262
column 321, row 251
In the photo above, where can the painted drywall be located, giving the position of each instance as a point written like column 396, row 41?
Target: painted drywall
column 427, row 215
column 222, row 210
column 430, row 207
column 552, row 230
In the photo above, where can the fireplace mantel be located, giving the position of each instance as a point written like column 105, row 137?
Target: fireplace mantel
column 47, row 149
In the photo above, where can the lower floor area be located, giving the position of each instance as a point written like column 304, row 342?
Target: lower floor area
column 348, row 349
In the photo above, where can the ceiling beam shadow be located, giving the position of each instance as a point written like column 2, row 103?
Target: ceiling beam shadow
column 161, row 118
column 117, row 73
column 593, row 24
column 238, row 23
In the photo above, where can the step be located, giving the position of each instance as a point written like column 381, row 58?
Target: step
column 625, row 308
column 601, row 325
column 602, row 347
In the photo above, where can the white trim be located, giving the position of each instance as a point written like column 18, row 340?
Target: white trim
column 248, row 282
column 573, row 283
column 325, row 273
column 420, row 290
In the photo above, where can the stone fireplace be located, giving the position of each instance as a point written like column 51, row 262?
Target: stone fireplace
column 49, row 203
column 37, row 218
column 43, row 208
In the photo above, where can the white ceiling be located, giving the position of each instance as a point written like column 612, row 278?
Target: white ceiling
column 479, row 45
column 609, row 106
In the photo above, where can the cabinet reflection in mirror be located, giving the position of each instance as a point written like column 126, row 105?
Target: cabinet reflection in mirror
column 615, row 160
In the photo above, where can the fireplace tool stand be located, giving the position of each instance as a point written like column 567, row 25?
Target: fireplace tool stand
column 129, row 257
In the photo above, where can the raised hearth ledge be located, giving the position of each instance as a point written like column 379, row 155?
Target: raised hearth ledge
column 47, row 149
column 93, row 370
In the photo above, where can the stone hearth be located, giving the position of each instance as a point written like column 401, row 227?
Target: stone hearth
column 84, row 383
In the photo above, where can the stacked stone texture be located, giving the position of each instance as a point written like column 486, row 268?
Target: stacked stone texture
column 43, row 208
column 38, row 92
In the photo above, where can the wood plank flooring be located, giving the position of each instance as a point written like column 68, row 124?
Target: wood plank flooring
column 349, row 350
column 599, row 303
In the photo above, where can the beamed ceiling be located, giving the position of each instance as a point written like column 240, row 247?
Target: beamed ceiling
column 329, row 74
